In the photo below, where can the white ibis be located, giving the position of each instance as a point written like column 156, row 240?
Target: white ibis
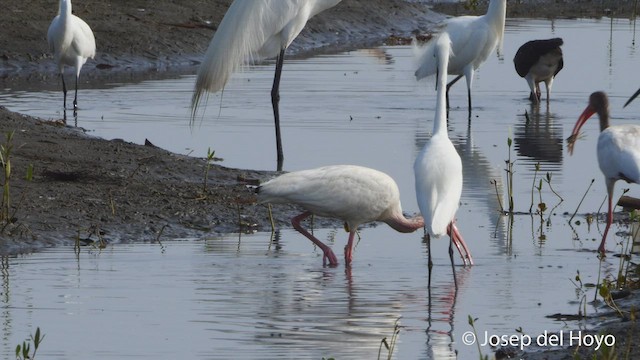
column 251, row 31
column 539, row 61
column 473, row 38
column 438, row 170
column 353, row 194
column 618, row 150
column 72, row 42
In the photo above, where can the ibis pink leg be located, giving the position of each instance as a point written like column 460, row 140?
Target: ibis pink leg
column 458, row 241
column 601, row 249
column 348, row 256
column 547, row 84
column 328, row 253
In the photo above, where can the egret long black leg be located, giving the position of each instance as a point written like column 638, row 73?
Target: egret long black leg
column 453, row 268
column 75, row 98
column 275, row 101
column 64, row 91
column 469, row 102
column 449, row 86
column 430, row 263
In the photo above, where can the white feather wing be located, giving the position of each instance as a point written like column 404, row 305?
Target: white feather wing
column 342, row 191
column 84, row 42
column 469, row 43
column 438, row 171
column 252, row 30
column 472, row 40
column 619, row 152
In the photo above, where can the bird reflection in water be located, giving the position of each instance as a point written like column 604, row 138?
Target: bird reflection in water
column 538, row 137
column 441, row 312
column 75, row 117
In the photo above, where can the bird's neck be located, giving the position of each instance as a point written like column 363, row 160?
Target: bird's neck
column 496, row 15
column 401, row 224
column 443, row 48
column 497, row 11
column 64, row 8
column 440, row 119
column 603, row 114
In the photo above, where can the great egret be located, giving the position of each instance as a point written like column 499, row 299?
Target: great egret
column 618, row 150
column 438, row 170
column 473, row 38
column 72, row 42
column 539, row 61
column 353, row 194
column 250, row 31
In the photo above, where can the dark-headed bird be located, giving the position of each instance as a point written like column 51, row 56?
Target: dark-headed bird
column 618, row 150
column 539, row 61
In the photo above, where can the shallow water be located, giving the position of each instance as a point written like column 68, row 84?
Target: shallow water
column 223, row 298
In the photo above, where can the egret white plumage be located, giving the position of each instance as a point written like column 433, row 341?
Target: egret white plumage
column 251, row 31
column 473, row 38
column 539, row 61
column 353, row 194
column 618, row 150
column 72, row 42
column 438, row 170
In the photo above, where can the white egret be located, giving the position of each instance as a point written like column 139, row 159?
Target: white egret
column 618, row 150
column 72, row 42
column 539, row 61
column 251, row 31
column 353, row 194
column 438, row 170
column 473, row 38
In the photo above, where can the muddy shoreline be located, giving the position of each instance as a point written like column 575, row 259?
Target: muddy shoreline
column 545, row 9
column 89, row 189
column 138, row 36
